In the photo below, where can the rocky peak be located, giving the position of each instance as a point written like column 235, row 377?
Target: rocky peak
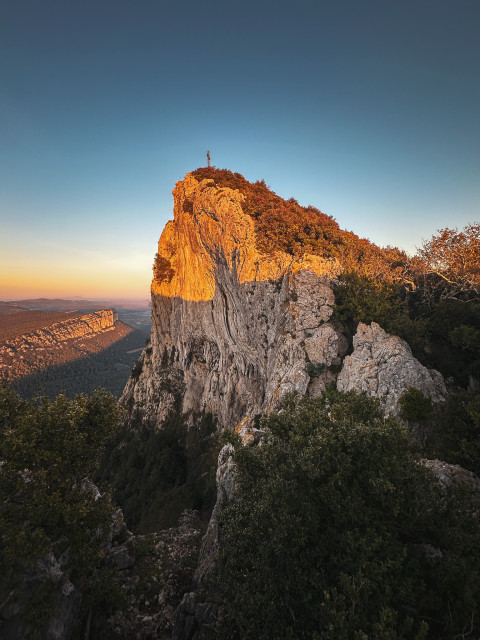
column 233, row 328
column 210, row 234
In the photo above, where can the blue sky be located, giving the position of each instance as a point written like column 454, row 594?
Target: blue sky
column 368, row 110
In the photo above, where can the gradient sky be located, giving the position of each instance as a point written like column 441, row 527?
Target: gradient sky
column 367, row 109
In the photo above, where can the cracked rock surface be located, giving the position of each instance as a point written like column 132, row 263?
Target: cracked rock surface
column 230, row 324
column 382, row 365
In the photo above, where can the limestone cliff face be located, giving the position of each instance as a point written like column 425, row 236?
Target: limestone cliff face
column 233, row 329
column 57, row 343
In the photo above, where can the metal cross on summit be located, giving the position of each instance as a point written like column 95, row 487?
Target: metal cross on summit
column 208, row 158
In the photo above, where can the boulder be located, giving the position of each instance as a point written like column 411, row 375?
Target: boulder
column 383, row 366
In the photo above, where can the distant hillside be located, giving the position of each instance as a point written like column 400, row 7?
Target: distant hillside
column 135, row 313
column 9, row 307
column 65, row 350
column 60, row 304
column 16, row 323
column 109, row 369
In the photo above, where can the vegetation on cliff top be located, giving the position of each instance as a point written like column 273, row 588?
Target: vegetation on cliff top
column 284, row 225
column 447, row 266
column 430, row 300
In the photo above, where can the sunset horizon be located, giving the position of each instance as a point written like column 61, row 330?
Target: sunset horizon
column 368, row 112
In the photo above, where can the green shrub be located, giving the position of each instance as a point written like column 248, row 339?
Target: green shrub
column 137, row 368
column 337, row 532
column 362, row 299
column 156, row 474
column 465, row 337
column 47, row 449
column 454, row 327
column 315, row 369
column 455, row 433
column 414, row 405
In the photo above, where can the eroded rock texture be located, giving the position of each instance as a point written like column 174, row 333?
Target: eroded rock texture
column 233, row 330
column 447, row 474
column 225, row 492
column 382, row 365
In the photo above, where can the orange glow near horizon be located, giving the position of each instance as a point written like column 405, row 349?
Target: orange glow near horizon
column 70, row 280
column 61, row 270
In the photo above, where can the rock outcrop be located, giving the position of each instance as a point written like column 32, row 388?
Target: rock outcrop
column 225, row 491
column 382, row 365
column 155, row 585
column 448, row 474
column 233, row 329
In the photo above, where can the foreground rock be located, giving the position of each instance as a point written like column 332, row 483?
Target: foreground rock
column 155, row 583
column 195, row 619
column 225, row 489
column 448, row 474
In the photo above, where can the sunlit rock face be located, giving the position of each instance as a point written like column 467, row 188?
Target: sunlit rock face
column 233, row 329
column 211, row 234
column 382, row 365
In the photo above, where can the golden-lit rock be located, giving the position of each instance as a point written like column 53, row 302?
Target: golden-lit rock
column 229, row 321
column 235, row 328
column 210, row 231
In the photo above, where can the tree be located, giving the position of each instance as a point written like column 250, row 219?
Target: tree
column 48, row 450
column 414, row 405
column 367, row 299
column 337, row 532
column 455, row 432
column 155, row 474
column 451, row 263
